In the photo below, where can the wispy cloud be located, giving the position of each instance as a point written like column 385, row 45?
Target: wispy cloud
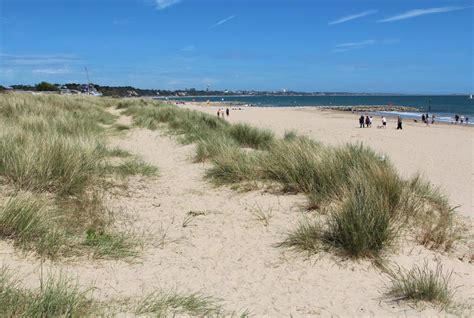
column 344, row 47
column 26, row 60
column 353, row 17
column 356, row 44
column 419, row 12
column 222, row 21
column 51, row 71
column 163, row 4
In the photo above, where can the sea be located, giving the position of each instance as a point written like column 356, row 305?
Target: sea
column 444, row 107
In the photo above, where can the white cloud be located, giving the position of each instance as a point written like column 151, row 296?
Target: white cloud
column 163, row 4
column 51, row 71
column 25, row 60
column 344, row 47
column 353, row 17
column 222, row 21
column 418, row 12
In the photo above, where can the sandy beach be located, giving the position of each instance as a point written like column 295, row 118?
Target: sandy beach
column 203, row 238
column 443, row 153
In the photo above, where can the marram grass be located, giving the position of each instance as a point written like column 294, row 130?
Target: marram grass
column 53, row 153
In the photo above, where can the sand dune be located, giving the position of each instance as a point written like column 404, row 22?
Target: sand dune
column 444, row 154
column 226, row 252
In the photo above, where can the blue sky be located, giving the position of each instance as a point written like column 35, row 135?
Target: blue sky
column 408, row 46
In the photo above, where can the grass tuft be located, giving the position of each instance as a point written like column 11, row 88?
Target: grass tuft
column 363, row 226
column 305, row 238
column 25, row 219
column 134, row 167
column 233, row 166
column 251, row 137
column 57, row 297
column 174, row 304
column 110, row 245
column 422, row 284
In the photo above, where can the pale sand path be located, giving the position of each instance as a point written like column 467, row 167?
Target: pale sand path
column 227, row 253
column 444, row 154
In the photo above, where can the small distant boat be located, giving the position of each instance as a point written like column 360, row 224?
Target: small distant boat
column 470, row 96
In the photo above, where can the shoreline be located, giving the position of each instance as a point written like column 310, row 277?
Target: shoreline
column 408, row 116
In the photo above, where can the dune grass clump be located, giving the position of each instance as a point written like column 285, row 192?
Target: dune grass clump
column 133, row 167
column 248, row 136
column 26, row 220
column 175, row 304
column 53, row 163
column 307, row 237
column 363, row 225
column 422, row 284
column 233, row 165
column 428, row 209
column 53, row 149
column 57, row 297
column 290, row 135
column 109, row 245
column 213, row 145
column 294, row 164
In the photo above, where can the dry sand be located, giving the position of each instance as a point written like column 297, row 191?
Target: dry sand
column 226, row 252
column 443, row 153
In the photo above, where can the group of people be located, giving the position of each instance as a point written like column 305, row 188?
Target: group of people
column 426, row 118
column 223, row 112
column 366, row 122
column 461, row 119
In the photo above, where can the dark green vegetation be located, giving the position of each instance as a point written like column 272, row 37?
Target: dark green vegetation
column 422, row 284
column 57, row 297
column 44, row 86
column 54, row 165
column 367, row 204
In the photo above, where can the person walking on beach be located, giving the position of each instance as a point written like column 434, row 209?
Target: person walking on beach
column 371, row 120
column 361, row 121
column 423, row 118
column 399, row 123
column 227, row 111
column 218, row 113
column 367, row 121
column 384, row 122
column 432, row 119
